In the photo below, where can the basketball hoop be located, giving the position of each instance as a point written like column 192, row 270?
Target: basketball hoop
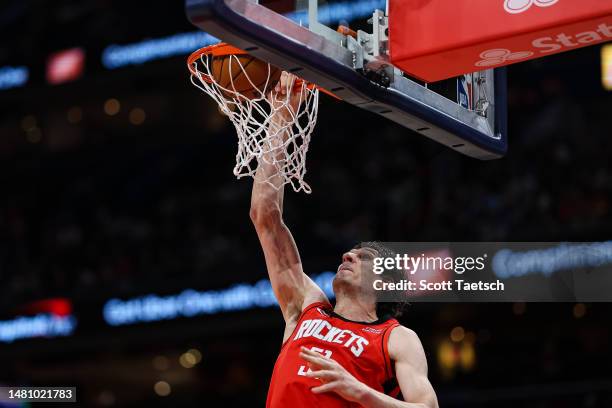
column 241, row 85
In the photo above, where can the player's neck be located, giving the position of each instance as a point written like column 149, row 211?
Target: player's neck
column 354, row 310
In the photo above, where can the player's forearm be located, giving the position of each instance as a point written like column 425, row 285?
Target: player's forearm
column 374, row 399
column 266, row 198
column 268, row 190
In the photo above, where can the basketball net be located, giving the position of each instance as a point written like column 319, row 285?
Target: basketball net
column 268, row 129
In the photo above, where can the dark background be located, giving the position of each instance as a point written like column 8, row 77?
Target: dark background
column 93, row 206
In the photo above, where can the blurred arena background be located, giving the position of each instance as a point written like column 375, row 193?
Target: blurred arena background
column 116, row 183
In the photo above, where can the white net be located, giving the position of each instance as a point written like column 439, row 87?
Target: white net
column 272, row 127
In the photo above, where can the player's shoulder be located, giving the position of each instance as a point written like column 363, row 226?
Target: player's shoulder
column 405, row 343
column 403, row 334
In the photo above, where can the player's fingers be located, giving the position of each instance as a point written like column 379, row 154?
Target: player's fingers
column 296, row 87
column 330, row 386
column 290, row 81
column 326, row 375
column 310, row 358
column 318, row 361
column 287, row 82
column 311, row 352
column 284, row 82
column 314, row 353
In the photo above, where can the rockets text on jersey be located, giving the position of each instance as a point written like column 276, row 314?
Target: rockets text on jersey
column 361, row 348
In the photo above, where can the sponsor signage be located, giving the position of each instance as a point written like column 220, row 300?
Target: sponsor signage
column 439, row 39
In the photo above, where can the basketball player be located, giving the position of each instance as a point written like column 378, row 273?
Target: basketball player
column 353, row 354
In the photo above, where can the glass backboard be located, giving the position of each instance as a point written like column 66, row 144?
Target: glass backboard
column 467, row 114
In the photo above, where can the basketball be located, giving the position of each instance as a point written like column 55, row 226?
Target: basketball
column 244, row 74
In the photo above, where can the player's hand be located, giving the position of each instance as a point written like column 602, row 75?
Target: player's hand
column 334, row 377
column 286, row 97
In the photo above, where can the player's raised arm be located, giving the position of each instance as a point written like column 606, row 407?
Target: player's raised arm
column 293, row 289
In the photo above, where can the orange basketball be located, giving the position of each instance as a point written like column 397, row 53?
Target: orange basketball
column 245, row 75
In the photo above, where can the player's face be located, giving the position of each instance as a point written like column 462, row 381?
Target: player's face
column 356, row 267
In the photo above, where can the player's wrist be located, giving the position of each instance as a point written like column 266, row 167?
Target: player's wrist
column 361, row 392
column 281, row 116
column 369, row 397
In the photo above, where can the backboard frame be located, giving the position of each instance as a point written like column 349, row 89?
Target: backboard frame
column 282, row 42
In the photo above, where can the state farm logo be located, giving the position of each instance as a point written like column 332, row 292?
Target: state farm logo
column 519, row 6
column 547, row 45
column 501, row 55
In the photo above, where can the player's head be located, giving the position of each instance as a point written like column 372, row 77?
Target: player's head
column 355, row 277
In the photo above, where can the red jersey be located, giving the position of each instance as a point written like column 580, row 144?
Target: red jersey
column 361, row 348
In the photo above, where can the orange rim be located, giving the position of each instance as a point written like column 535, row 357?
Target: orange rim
column 224, row 49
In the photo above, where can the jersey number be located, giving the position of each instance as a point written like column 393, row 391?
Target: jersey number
column 304, row 369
